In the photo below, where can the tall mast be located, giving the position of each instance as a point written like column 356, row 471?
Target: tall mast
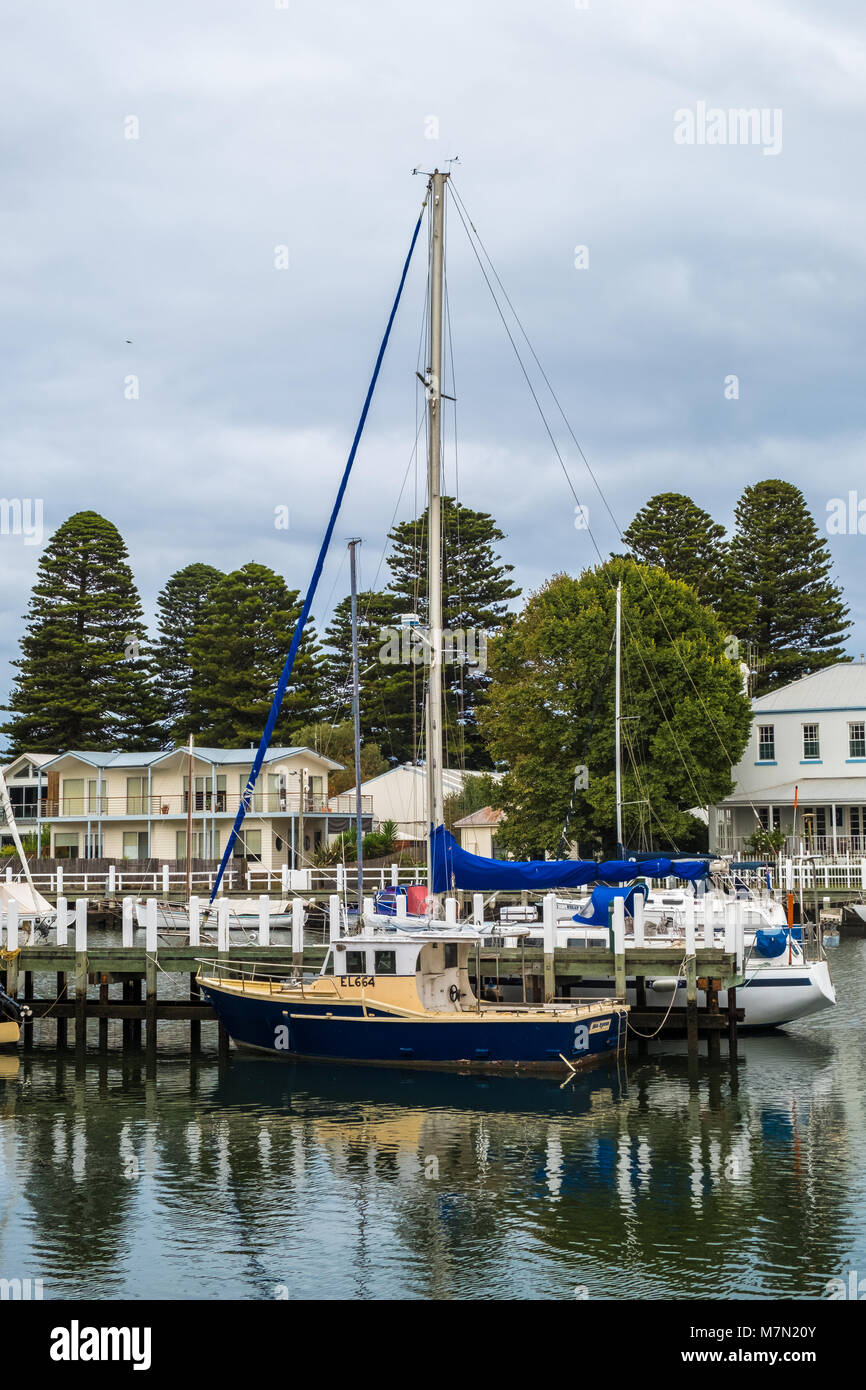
column 189, row 794
column 356, row 719
column 435, row 795
column 618, row 718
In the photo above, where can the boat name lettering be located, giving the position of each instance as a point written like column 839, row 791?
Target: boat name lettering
column 357, row 981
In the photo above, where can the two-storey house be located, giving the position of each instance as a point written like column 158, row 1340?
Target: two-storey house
column 809, row 735
column 121, row 805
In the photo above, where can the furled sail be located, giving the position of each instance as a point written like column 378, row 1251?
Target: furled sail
column 454, row 867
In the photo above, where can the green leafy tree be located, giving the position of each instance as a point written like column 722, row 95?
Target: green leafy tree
column 781, row 562
column 477, row 588
column 237, row 651
column 179, row 609
column 84, row 677
column 337, row 741
column 550, row 711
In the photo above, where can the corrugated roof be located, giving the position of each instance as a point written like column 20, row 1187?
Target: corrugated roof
column 218, row 756
column 836, row 687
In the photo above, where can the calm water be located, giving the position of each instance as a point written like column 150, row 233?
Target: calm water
column 268, row 1179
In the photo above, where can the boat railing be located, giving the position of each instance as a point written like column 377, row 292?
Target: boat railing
column 260, row 973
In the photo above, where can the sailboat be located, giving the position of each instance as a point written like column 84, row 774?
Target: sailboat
column 390, row 995
column 29, row 904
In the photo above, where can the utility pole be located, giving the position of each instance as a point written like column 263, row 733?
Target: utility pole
column 356, row 719
column 618, row 719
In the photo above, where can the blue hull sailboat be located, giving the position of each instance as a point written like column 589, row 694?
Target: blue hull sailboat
column 404, row 997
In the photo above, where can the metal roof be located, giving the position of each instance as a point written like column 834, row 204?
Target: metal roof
column 242, row 757
column 836, row 687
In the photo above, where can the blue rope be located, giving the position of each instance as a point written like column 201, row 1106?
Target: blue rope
column 283, row 682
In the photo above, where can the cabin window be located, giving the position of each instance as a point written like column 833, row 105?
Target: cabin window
column 386, row 963
column 329, row 964
column 356, row 962
column 450, row 955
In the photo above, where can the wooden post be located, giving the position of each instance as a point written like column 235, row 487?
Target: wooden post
column 150, row 969
column 619, row 947
column 732, row 1025
column 80, row 998
column 62, row 918
column 451, row 912
column 478, row 909
column 128, row 921
column 297, row 935
column 692, row 1004
column 638, row 919
column 264, row 920
column 222, row 925
column 61, row 1022
column 194, row 922
column 714, row 1042
column 28, row 999
column 333, row 918
column 549, row 936
column 103, row 1018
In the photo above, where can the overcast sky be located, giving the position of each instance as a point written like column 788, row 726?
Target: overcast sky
column 260, row 126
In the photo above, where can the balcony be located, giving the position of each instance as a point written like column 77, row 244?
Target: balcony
column 203, row 803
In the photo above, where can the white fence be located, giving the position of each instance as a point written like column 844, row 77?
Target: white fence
column 113, row 882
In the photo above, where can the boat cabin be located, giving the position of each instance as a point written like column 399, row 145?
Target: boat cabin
column 436, row 966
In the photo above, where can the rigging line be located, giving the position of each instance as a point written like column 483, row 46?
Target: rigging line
column 285, row 675
column 637, row 651
column 460, row 204
column 528, row 380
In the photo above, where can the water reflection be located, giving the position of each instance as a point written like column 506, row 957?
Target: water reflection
column 266, row 1179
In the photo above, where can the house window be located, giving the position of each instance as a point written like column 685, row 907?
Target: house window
column 854, row 817
column 73, row 796
column 253, row 845
column 180, row 844
column 814, row 822
column 135, row 844
column 764, row 817
column 136, row 800
column 766, row 743
column 65, row 845
column 811, row 742
column 857, row 740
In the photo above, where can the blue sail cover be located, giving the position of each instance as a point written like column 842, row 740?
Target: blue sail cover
column 454, row 867
column 602, row 897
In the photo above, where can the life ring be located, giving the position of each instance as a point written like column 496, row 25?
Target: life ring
column 454, row 994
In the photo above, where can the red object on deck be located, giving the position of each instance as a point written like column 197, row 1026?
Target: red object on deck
column 416, row 899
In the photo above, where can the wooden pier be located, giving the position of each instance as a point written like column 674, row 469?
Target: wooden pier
column 94, row 981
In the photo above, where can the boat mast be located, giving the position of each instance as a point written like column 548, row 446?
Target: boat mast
column 356, row 719
column 618, row 719
column 16, row 838
column 189, row 795
column 435, row 796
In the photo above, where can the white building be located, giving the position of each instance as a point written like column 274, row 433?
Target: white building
column 476, row 832
column 134, row 805
column 400, row 794
column 811, row 735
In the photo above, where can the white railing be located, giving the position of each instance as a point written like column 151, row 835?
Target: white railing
column 163, row 879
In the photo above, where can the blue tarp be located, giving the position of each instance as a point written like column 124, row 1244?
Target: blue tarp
column 602, row 897
column 454, row 867
column 772, row 942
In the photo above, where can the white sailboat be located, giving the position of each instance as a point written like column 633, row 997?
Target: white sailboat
column 32, row 908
